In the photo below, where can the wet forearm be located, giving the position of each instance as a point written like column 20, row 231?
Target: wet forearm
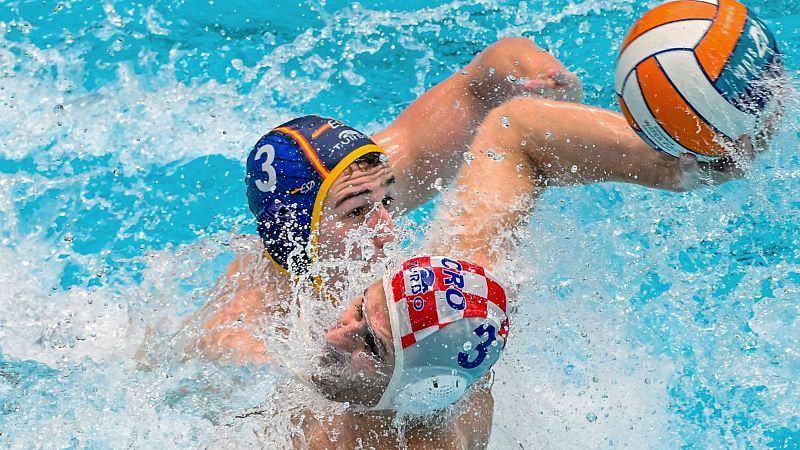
column 579, row 144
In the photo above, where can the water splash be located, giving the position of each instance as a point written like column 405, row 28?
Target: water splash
column 121, row 140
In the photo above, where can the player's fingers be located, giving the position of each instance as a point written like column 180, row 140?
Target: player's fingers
column 770, row 127
column 537, row 87
column 728, row 167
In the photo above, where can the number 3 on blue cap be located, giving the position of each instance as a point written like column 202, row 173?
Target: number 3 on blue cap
column 482, row 348
column 272, row 177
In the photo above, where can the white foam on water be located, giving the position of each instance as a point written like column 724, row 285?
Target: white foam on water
column 570, row 379
column 101, row 393
column 587, row 367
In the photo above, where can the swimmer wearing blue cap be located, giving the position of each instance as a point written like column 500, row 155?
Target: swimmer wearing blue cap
column 291, row 171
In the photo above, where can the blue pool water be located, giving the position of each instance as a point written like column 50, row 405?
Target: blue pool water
column 651, row 319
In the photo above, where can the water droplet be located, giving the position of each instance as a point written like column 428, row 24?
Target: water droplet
column 505, row 122
column 591, row 417
column 491, row 71
column 548, row 135
column 116, row 46
column 494, row 156
column 573, row 169
column 595, row 379
column 467, row 346
column 367, row 249
column 68, row 237
column 468, row 157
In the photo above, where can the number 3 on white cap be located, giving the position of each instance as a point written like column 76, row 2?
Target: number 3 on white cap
column 272, row 178
column 482, row 348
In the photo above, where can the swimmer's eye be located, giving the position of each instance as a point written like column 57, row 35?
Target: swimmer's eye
column 357, row 212
column 370, row 340
column 360, row 310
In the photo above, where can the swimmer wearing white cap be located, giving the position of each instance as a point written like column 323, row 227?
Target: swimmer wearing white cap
column 412, row 357
column 415, row 341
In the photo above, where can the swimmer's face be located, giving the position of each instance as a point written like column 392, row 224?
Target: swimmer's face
column 360, row 199
column 359, row 357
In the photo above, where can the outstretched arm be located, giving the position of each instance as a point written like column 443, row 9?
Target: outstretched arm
column 542, row 143
column 578, row 144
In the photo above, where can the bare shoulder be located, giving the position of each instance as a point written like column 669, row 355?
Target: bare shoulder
column 248, row 249
column 231, row 324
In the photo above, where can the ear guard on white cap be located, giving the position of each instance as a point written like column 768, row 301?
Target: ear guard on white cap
column 449, row 327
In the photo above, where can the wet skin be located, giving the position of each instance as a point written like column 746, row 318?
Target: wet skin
column 359, row 357
column 361, row 199
column 423, row 144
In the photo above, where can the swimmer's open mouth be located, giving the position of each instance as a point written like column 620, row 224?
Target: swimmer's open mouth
column 332, row 356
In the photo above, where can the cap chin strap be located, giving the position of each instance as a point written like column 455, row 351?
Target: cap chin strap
column 429, row 389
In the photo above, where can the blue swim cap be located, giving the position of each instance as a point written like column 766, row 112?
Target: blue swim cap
column 289, row 173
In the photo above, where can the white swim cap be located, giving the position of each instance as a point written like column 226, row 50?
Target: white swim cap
column 449, row 326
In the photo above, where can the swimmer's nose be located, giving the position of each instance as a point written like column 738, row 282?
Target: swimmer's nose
column 349, row 334
column 381, row 219
column 380, row 216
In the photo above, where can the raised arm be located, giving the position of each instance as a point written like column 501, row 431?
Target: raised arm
column 428, row 140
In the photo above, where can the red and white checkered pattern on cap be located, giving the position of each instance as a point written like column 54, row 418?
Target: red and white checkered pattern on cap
column 430, row 293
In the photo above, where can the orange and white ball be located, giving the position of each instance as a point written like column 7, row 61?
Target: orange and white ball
column 694, row 75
